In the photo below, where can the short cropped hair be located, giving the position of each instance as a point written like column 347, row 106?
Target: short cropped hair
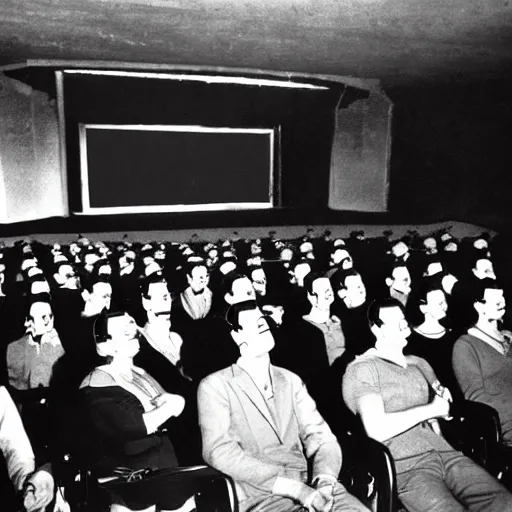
column 310, row 278
column 377, row 306
column 339, row 278
column 484, row 284
column 233, row 313
column 100, row 325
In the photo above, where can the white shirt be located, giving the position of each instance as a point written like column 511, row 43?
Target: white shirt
column 260, row 375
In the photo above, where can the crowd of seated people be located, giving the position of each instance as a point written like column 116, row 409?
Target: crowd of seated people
column 62, row 306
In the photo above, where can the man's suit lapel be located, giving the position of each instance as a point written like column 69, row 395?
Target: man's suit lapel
column 282, row 400
column 244, row 382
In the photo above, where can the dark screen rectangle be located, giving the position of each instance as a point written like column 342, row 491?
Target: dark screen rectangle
column 130, row 167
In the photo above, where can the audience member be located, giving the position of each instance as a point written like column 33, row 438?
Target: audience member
column 125, row 410
column 260, row 427
column 482, row 359
column 392, row 393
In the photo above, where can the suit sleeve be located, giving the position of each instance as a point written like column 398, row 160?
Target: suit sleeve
column 320, row 444
column 221, row 447
column 14, row 442
column 467, row 371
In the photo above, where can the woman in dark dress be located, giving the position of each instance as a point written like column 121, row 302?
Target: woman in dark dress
column 431, row 339
column 125, row 413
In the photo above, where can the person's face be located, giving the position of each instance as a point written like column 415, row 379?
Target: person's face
column 28, row 263
column 483, row 268
column 227, row 267
column 105, row 270
column 430, row 244
column 126, row 259
column 434, row 268
column 286, row 254
column 480, row 243
column 254, row 338
column 100, row 298
column 90, row 260
column 255, row 249
column 152, row 268
column 400, row 250
column 394, row 329
column 123, row 334
column 40, row 319
column 401, row 280
column 259, row 281
column 34, row 271
column 159, row 301
column 355, row 292
column 451, row 247
column 342, row 256
column 322, row 296
column 199, row 279
column 436, row 305
column 305, row 248
column 493, row 306
column 448, row 282
column 242, row 290
column 300, row 272
column 67, row 277
column 148, row 260
column 38, row 287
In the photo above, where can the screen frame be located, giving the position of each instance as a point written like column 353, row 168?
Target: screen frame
column 87, row 209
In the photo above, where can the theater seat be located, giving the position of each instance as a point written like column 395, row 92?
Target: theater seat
column 368, row 472
column 86, row 493
column 474, row 430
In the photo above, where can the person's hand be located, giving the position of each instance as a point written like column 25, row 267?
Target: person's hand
column 175, row 403
column 38, row 491
column 443, row 392
column 440, row 407
column 324, row 501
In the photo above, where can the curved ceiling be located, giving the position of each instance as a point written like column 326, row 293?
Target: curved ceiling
column 397, row 41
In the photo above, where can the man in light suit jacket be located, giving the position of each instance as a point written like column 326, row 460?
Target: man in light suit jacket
column 36, row 487
column 260, row 426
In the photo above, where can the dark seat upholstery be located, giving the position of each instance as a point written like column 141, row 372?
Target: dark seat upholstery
column 368, row 472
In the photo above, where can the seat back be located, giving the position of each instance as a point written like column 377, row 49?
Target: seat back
column 368, row 472
column 474, row 429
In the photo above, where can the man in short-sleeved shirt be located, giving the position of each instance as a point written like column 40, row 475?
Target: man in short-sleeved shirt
column 399, row 400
